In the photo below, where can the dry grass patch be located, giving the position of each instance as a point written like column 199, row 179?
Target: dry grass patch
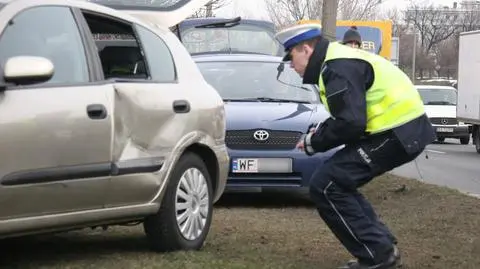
column 437, row 228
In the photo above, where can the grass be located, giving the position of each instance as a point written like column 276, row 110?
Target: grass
column 437, row 228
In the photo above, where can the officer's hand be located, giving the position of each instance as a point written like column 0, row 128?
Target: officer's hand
column 300, row 145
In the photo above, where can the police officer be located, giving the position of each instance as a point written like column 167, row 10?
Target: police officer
column 352, row 38
column 379, row 117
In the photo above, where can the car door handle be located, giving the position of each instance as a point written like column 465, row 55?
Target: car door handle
column 96, row 111
column 181, row 106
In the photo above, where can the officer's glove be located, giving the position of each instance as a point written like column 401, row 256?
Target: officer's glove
column 307, row 142
column 313, row 125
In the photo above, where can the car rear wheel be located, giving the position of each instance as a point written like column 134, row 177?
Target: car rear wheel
column 465, row 140
column 185, row 215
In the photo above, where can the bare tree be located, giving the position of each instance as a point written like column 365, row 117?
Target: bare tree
column 470, row 20
column 447, row 58
column 209, row 8
column 433, row 24
column 284, row 12
column 358, row 9
column 396, row 16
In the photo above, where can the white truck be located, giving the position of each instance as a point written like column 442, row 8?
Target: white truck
column 468, row 102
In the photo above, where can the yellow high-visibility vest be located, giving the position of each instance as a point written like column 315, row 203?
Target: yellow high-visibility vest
column 392, row 100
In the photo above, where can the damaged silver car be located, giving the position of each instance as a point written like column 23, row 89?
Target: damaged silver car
column 106, row 120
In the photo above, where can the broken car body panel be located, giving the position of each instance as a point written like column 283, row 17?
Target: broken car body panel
column 140, row 130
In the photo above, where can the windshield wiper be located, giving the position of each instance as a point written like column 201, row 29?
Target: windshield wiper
column 280, row 100
column 440, row 103
column 221, row 24
column 266, row 99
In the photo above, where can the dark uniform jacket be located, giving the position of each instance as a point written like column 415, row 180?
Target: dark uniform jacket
column 349, row 106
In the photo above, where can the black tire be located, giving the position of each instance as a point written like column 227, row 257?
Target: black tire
column 441, row 139
column 477, row 139
column 163, row 232
column 465, row 140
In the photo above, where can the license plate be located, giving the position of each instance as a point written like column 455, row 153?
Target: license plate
column 262, row 165
column 445, row 130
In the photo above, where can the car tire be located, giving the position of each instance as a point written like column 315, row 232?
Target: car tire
column 441, row 139
column 163, row 230
column 465, row 140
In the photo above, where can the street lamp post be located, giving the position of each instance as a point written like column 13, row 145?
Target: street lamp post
column 414, row 56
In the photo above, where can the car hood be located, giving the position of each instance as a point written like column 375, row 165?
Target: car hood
column 438, row 111
column 274, row 116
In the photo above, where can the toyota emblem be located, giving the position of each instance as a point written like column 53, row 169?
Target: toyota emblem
column 444, row 121
column 261, row 135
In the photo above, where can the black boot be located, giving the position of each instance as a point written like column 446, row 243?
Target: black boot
column 396, row 254
column 392, row 262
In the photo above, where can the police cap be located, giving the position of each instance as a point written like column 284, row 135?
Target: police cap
column 292, row 36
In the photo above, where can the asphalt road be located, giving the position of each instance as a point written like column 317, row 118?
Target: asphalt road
column 449, row 164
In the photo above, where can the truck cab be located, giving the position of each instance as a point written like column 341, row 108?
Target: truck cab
column 441, row 108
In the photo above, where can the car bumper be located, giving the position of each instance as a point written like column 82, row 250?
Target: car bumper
column 221, row 153
column 452, row 131
column 301, row 171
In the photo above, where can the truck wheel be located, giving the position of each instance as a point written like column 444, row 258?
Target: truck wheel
column 465, row 140
column 185, row 215
column 477, row 139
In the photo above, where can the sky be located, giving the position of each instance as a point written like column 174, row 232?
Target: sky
column 255, row 9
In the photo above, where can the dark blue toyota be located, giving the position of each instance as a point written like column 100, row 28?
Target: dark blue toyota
column 268, row 108
column 266, row 118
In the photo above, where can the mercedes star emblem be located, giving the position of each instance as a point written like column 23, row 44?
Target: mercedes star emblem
column 261, row 135
column 444, row 121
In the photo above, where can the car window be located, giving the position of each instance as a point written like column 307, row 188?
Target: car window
column 240, row 38
column 438, row 96
column 244, row 80
column 118, row 48
column 37, row 32
column 159, row 57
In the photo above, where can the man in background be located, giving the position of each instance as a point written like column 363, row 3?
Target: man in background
column 352, row 38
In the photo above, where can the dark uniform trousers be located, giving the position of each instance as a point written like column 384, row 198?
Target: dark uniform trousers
column 333, row 188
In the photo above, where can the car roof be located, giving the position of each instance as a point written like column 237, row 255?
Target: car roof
column 238, row 57
column 164, row 13
column 439, row 87
column 80, row 4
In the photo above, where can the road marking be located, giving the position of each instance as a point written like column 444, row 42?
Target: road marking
column 435, row 151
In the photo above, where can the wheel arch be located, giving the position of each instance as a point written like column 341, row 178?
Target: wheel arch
column 210, row 160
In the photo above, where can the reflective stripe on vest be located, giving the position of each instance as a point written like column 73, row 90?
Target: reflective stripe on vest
column 392, row 100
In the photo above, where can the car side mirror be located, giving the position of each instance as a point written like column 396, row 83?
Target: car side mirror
column 26, row 70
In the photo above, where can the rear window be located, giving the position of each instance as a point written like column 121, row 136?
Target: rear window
column 159, row 5
column 243, row 38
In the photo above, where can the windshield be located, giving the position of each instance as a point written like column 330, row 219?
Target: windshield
column 435, row 96
column 235, row 81
column 239, row 38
